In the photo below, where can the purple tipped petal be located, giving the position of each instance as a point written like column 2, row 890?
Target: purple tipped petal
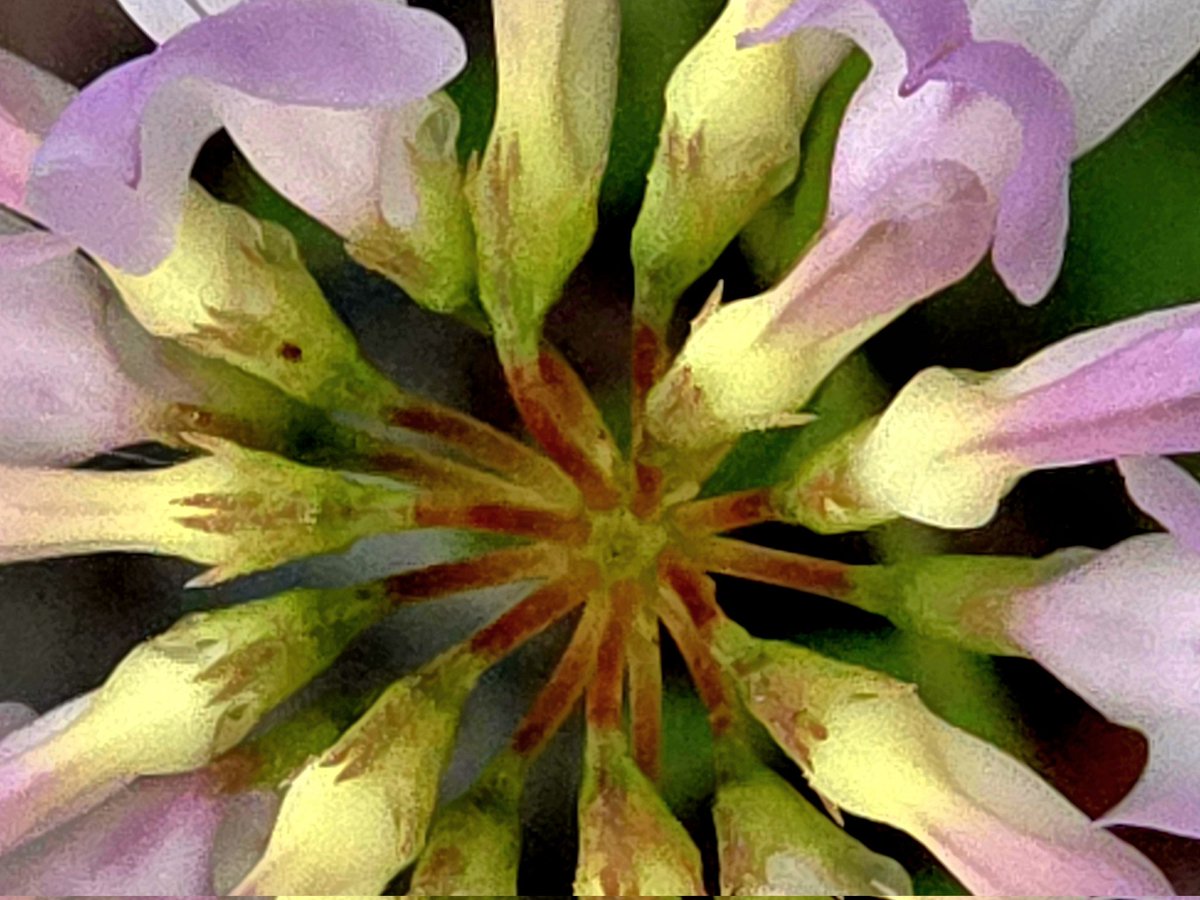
column 38, row 793
column 64, row 394
column 886, row 255
column 1167, row 796
column 30, row 100
column 1032, row 226
column 156, row 838
column 1123, row 632
column 113, row 171
column 1167, row 492
column 927, row 29
column 1130, row 389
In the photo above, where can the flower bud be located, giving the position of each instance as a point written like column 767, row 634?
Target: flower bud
column 730, row 142
column 235, row 288
column 629, row 843
column 771, row 842
column 357, row 815
column 867, row 744
column 237, row 510
column 535, row 191
column 424, row 240
column 179, row 700
column 474, row 844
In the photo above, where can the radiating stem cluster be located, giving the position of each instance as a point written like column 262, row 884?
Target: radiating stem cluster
column 621, row 535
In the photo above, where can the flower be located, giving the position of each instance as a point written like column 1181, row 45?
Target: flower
column 103, row 147
column 868, row 744
column 1121, row 632
column 1167, row 492
column 222, row 756
column 951, row 445
column 912, row 163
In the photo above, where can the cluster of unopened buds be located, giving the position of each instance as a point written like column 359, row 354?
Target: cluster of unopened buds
column 137, row 308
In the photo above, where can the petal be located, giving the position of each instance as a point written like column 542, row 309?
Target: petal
column 869, row 745
column 751, row 362
column 153, row 838
column 951, row 445
column 14, row 716
column 36, row 795
column 1121, row 631
column 1167, row 492
column 343, row 167
column 163, row 19
column 936, row 44
column 30, row 100
column 1125, row 390
column 1032, row 227
column 926, row 29
column 64, row 393
column 1167, row 796
column 112, row 173
column 889, row 128
column 1113, row 55
column 997, row 827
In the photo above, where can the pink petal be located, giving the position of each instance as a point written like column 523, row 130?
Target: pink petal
column 1032, row 228
column 38, row 792
column 1129, row 389
column 1123, row 632
column 113, row 171
column 889, row 253
column 897, row 118
column 30, row 100
column 337, row 165
column 1167, row 492
column 926, row 29
column 64, row 395
column 157, row 837
column 1167, row 796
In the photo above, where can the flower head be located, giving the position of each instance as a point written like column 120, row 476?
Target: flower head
column 222, row 755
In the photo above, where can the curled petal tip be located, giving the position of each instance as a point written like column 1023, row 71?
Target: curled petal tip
column 106, row 176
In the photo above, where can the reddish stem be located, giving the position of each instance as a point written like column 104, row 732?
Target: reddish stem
column 689, row 635
column 533, row 615
column 693, row 588
column 604, row 697
column 645, row 692
column 560, row 414
column 725, row 513
column 501, row 518
column 649, row 362
column 823, row 577
column 500, row 567
column 566, row 685
column 482, row 443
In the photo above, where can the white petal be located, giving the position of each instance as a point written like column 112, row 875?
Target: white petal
column 1113, row 55
column 161, row 19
